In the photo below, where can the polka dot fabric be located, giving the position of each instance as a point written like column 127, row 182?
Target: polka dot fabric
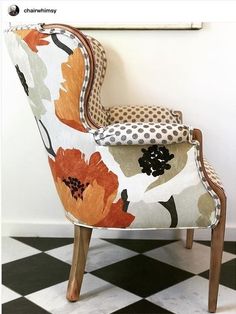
column 96, row 111
column 142, row 134
column 123, row 114
column 212, row 174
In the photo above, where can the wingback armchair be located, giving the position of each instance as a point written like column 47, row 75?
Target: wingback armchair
column 122, row 167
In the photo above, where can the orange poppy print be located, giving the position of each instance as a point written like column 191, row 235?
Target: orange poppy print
column 33, row 38
column 67, row 105
column 88, row 189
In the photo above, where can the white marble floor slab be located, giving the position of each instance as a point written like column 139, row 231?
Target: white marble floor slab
column 8, row 295
column 191, row 296
column 13, row 250
column 97, row 296
column 100, row 254
column 195, row 260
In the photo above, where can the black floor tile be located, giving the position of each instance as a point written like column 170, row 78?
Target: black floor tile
column 34, row 273
column 229, row 246
column 142, row 275
column 228, row 274
column 22, row 306
column 139, row 246
column 142, row 307
column 44, row 244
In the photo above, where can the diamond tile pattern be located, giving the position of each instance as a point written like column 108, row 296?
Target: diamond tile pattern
column 45, row 244
column 142, row 306
column 13, row 250
column 123, row 276
column 101, row 253
column 229, row 246
column 142, row 275
column 33, row 273
column 22, row 305
column 228, row 275
column 176, row 254
column 139, row 246
column 190, row 296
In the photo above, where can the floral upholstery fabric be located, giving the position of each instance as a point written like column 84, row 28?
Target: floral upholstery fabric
column 146, row 186
column 142, row 133
column 124, row 114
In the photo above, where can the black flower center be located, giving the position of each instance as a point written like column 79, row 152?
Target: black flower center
column 155, row 160
column 76, row 187
column 22, row 79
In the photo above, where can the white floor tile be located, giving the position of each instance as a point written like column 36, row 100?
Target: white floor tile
column 13, row 250
column 97, row 296
column 8, row 295
column 195, row 260
column 191, row 296
column 101, row 253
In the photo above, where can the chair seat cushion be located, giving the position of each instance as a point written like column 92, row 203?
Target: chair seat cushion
column 142, row 133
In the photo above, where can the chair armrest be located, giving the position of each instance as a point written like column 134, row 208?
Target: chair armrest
column 142, row 134
column 157, row 114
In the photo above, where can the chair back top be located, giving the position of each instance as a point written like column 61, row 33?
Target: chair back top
column 60, row 64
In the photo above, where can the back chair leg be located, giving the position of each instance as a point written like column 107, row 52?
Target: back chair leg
column 81, row 246
column 189, row 238
column 217, row 244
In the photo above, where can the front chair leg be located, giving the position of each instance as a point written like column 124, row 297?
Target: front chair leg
column 81, row 245
column 217, row 244
column 189, row 238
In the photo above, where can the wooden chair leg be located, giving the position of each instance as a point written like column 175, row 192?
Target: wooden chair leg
column 189, row 238
column 81, row 245
column 217, row 244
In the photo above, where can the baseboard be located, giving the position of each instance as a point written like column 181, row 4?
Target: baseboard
column 65, row 229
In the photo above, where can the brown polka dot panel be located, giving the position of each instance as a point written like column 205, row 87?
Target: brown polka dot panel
column 96, row 111
column 213, row 176
column 123, row 114
column 142, row 133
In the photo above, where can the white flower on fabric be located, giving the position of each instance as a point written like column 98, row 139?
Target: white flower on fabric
column 32, row 72
column 19, row 56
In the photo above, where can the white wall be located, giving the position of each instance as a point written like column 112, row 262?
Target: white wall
column 194, row 71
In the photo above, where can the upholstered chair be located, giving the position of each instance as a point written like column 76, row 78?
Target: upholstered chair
column 126, row 167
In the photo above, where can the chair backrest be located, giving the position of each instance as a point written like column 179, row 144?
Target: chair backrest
column 47, row 53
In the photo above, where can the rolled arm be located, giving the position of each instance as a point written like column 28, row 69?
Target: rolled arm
column 142, row 134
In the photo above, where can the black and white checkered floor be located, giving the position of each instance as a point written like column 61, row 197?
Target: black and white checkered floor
column 122, row 276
